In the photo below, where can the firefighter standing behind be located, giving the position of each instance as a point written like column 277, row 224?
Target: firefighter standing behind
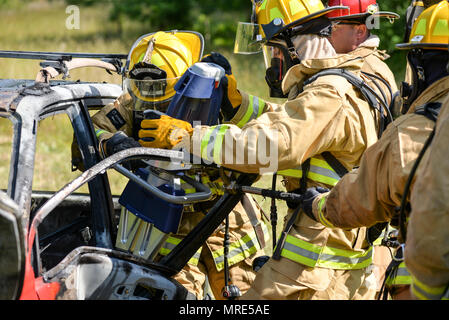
column 326, row 115
column 151, row 86
column 428, row 228
column 373, row 193
column 352, row 34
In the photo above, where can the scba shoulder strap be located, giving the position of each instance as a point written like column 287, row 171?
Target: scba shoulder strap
column 376, row 102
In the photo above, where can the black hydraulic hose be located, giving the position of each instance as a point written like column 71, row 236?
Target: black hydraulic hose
column 273, row 211
column 226, row 252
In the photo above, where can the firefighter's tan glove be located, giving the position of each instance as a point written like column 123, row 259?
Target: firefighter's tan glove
column 163, row 133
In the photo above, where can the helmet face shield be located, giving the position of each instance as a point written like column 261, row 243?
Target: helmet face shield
column 149, row 94
column 248, row 39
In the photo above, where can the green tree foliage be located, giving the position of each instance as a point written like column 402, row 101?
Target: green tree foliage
column 6, row 4
column 217, row 20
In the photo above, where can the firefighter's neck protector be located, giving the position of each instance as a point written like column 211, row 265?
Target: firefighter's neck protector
column 307, row 46
column 427, row 67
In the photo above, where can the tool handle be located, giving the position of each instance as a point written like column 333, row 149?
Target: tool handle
column 152, row 114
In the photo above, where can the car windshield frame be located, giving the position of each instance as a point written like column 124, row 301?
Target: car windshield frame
column 14, row 157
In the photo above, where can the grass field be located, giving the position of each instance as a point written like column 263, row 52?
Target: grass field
column 41, row 26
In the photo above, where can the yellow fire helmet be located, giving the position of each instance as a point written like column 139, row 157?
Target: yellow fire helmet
column 431, row 29
column 156, row 62
column 292, row 12
column 271, row 17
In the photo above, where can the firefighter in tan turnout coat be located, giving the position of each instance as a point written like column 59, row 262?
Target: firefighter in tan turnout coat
column 322, row 117
column 372, row 193
column 117, row 126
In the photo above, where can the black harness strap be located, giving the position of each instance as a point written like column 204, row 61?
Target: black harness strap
column 334, row 163
column 305, row 168
column 374, row 100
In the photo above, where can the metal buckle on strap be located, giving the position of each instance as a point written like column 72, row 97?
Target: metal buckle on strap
column 399, row 254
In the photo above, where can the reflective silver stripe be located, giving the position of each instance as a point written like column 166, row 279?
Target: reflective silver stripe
column 170, row 246
column 446, row 294
column 302, row 252
column 424, row 295
column 313, row 255
column 319, row 171
column 325, row 172
column 345, row 260
column 424, row 292
column 239, row 251
column 255, row 113
column 236, row 252
column 254, row 110
column 211, row 144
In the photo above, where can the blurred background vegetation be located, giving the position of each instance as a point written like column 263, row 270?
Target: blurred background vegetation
column 112, row 26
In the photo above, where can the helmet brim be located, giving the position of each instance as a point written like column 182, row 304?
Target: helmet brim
column 310, row 17
column 430, row 46
column 380, row 14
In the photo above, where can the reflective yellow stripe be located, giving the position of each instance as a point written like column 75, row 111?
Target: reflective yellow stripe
column 276, row 13
column 321, row 217
column 212, row 142
column 254, row 110
column 205, row 142
column 441, row 28
column 320, row 171
column 313, row 255
column 400, row 277
column 425, row 292
column 99, row 132
column 296, row 7
column 216, row 187
column 378, row 241
column 171, row 243
column 446, row 294
column 239, row 250
column 421, row 27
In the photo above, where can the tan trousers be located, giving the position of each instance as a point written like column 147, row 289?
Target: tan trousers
column 381, row 260
column 288, row 280
column 194, row 277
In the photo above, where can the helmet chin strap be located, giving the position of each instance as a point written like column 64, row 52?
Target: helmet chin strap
column 294, row 56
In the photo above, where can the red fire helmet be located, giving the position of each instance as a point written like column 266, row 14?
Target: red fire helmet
column 358, row 9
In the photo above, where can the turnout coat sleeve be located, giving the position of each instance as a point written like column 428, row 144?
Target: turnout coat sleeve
column 370, row 194
column 113, row 117
column 315, row 121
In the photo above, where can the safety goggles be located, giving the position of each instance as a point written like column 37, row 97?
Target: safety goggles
column 148, row 93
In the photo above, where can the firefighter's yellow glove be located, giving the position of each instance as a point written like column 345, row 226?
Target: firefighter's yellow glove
column 163, row 133
column 232, row 99
column 234, row 96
